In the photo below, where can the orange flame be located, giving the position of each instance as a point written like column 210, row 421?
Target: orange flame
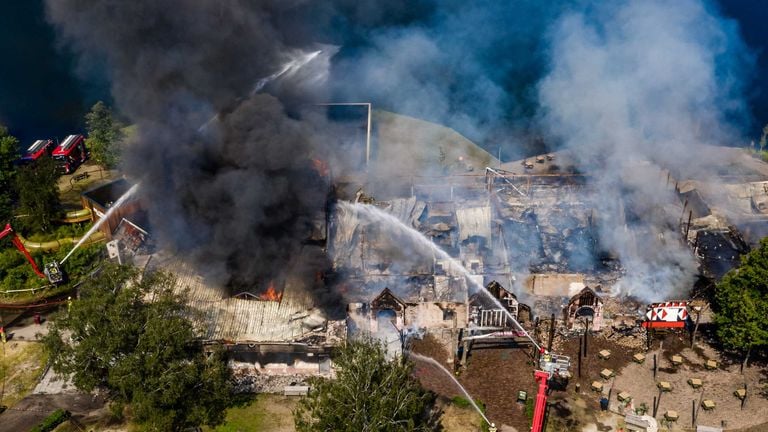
column 321, row 167
column 271, row 294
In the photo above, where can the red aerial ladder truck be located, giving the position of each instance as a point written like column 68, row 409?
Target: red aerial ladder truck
column 550, row 366
column 52, row 271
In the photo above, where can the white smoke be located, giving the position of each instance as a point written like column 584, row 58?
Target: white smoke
column 635, row 88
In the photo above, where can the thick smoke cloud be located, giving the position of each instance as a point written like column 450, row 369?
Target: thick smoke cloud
column 636, row 88
column 624, row 82
column 468, row 65
column 237, row 194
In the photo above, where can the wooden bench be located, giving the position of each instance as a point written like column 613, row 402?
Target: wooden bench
column 296, row 390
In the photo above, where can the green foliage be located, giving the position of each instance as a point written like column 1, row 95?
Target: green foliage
column 460, row 402
column 49, row 423
column 369, row 393
column 529, row 407
column 741, row 302
column 15, row 271
column 9, row 152
column 143, row 351
column 61, row 232
column 104, row 135
column 39, row 195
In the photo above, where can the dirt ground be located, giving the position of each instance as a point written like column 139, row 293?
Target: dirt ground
column 718, row 385
column 455, row 419
column 21, row 363
column 494, row 376
column 33, row 409
column 70, row 189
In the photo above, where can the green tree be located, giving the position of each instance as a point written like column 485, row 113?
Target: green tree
column 128, row 333
column 741, row 303
column 37, row 186
column 369, row 393
column 9, row 152
column 104, row 135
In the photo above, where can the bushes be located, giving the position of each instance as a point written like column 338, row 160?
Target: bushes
column 56, row 418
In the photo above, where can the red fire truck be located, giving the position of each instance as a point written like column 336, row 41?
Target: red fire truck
column 71, row 153
column 37, row 150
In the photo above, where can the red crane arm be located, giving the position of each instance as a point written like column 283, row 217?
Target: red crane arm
column 541, row 401
column 20, row 246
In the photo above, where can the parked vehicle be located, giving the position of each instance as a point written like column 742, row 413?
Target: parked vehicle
column 71, row 153
column 37, row 150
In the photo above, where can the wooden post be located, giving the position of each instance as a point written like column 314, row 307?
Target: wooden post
column 655, row 367
column 744, row 400
column 551, row 333
column 653, row 408
column 586, row 335
column 580, row 349
column 693, row 413
column 696, row 327
column 688, row 225
column 648, row 338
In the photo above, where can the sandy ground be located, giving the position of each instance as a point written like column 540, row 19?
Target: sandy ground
column 20, row 366
column 719, row 385
column 494, row 376
column 33, row 409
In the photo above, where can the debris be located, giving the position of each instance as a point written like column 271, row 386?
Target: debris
column 604, row 354
column 671, row 415
column 695, row 382
column 664, row 386
column 708, row 404
column 638, row 358
column 711, row 365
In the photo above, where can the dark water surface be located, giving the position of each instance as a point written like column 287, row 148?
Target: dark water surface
column 42, row 97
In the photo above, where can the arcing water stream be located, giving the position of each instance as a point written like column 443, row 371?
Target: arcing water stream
column 374, row 214
column 442, row 368
column 101, row 220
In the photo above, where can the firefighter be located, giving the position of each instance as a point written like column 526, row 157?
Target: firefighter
column 69, row 304
column 492, row 428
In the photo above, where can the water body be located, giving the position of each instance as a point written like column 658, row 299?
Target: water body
column 42, row 97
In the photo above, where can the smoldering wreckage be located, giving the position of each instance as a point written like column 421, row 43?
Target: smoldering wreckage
column 407, row 228
column 528, row 231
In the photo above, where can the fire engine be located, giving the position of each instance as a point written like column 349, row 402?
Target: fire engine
column 37, row 150
column 71, row 153
column 52, row 272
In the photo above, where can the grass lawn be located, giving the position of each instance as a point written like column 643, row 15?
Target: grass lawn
column 21, row 363
column 264, row 413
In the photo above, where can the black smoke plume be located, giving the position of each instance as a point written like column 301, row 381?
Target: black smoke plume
column 225, row 172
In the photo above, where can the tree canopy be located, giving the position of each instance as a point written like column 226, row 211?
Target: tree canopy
column 37, row 186
column 369, row 393
column 128, row 333
column 104, row 135
column 9, row 152
column 741, row 302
